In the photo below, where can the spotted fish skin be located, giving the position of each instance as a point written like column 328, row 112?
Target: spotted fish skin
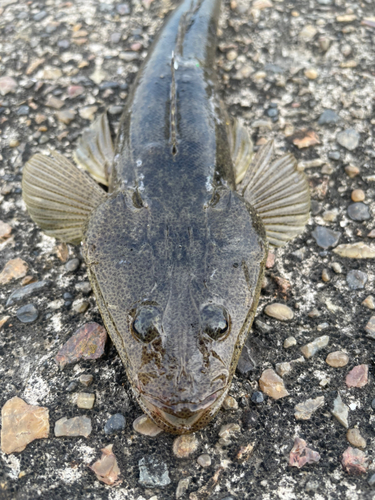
column 174, row 234
column 176, row 249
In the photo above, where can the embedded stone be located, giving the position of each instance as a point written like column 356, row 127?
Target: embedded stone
column 85, row 400
column 340, row 411
column 356, row 279
column 355, row 251
column 351, row 171
column 303, row 411
column 87, row 343
column 144, row 425
column 66, row 116
column 328, row 117
column 357, row 377
column 325, row 237
column 354, row 437
column 21, row 424
column 106, row 469
column 359, row 211
column 86, row 379
column 230, row 403
column 27, row 314
column 370, row 327
column 88, row 113
column 337, row 359
column 369, row 302
column 7, row 85
column 279, row 311
column 182, row 487
column 153, row 472
column 312, row 348
column 289, row 342
column 185, row 445
column 349, row 139
column 73, row 427
column 26, row 291
column 358, row 195
column 13, row 270
column 301, row 455
column 204, row 460
column 272, row 385
column 283, row 369
column 115, row 423
column 354, row 461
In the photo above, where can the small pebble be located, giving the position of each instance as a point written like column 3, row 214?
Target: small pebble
column 314, row 313
column 370, row 327
column 272, row 385
column 13, row 270
column 257, row 397
column 72, row 386
column 369, row 302
column 325, row 275
column 283, row 369
column 21, row 424
column 72, row 265
column 232, row 55
column 229, row 430
column 354, row 437
column 356, row 279
column 144, row 425
column 80, row 306
column 325, row 237
column 354, row 461
column 330, row 215
column 27, row 314
column 357, row 250
column 204, row 460
column 85, row 400
column 123, row 9
column 289, row 342
column 88, row 113
column 279, row 311
column 311, row 73
column 84, row 287
column 66, row 116
column 357, row 377
column 303, row 411
column 328, row 117
column 351, row 171
column 358, row 195
column 86, row 379
column 312, row 348
column 115, row 423
column 334, row 155
column 349, row 139
column 153, row 472
column 230, row 403
column 77, row 426
column 371, row 481
column 337, row 359
column 340, row 411
column 185, row 445
column 182, row 487
column 359, row 211
column 301, row 455
column 337, row 267
column 106, row 469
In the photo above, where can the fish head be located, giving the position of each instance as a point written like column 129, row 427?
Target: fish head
column 178, row 295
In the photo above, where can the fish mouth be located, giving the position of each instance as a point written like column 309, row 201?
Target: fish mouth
column 183, row 417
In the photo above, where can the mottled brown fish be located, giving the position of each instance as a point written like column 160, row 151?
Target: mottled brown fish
column 176, row 248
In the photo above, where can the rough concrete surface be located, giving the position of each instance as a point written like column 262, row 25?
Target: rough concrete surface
column 281, row 64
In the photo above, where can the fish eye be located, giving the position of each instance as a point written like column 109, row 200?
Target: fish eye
column 147, row 323
column 215, row 321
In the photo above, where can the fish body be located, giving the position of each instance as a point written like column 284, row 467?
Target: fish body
column 176, row 249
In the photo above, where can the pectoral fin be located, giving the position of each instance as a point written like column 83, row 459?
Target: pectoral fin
column 279, row 192
column 59, row 197
column 241, row 147
column 95, row 150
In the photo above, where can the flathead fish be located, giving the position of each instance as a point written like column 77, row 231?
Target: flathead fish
column 176, row 246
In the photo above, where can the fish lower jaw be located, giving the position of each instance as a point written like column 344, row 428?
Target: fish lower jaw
column 185, row 420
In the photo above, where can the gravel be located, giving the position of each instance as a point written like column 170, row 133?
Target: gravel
column 47, row 68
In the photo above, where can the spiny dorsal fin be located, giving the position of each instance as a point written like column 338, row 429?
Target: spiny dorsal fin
column 279, row 192
column 241, row 147
column 59, row 197
column 95, row 150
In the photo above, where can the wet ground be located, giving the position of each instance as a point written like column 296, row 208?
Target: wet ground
column 280, row 66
